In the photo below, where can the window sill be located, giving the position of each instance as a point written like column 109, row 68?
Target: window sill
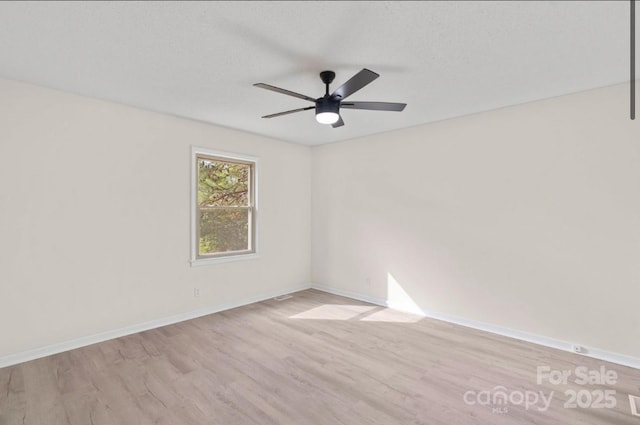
column 226, row 259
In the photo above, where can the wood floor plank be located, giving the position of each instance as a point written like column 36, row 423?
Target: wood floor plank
column 315, row 358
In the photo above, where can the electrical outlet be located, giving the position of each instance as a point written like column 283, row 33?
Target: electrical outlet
column 196, row 292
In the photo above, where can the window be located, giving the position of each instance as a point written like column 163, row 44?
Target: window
column 224, row 206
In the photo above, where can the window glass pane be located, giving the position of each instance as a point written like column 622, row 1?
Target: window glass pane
column 222, row 183
column 224, row 229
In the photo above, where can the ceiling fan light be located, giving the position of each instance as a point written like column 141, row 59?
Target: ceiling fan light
column 327, row 110
column 327, row 117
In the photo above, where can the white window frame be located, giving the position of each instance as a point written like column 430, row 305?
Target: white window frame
column 223, row 258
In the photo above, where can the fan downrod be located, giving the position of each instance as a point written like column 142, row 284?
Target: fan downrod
column 327, row 77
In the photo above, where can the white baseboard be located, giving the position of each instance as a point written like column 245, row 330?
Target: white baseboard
column 595, row 353
column 60, row 347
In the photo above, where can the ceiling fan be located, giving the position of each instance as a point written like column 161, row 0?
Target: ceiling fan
column 328, row 106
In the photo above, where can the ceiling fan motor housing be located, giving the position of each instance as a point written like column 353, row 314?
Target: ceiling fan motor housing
column 327, row 104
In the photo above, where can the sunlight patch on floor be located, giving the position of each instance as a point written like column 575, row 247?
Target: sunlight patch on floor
column 334, row 312
column 363, row 313
column 392, row 316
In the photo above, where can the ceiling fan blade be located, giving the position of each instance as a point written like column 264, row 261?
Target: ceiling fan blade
column 356, row 82
column 283, row 91
column 278, row 114
column 374, row 106
column 338, row 123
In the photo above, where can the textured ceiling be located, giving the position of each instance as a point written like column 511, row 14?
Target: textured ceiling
column 199, row 60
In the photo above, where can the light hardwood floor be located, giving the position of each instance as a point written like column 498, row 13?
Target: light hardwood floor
column 312, row 359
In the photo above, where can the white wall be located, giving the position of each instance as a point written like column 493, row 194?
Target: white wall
column 527, row 218
column 94, row 217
